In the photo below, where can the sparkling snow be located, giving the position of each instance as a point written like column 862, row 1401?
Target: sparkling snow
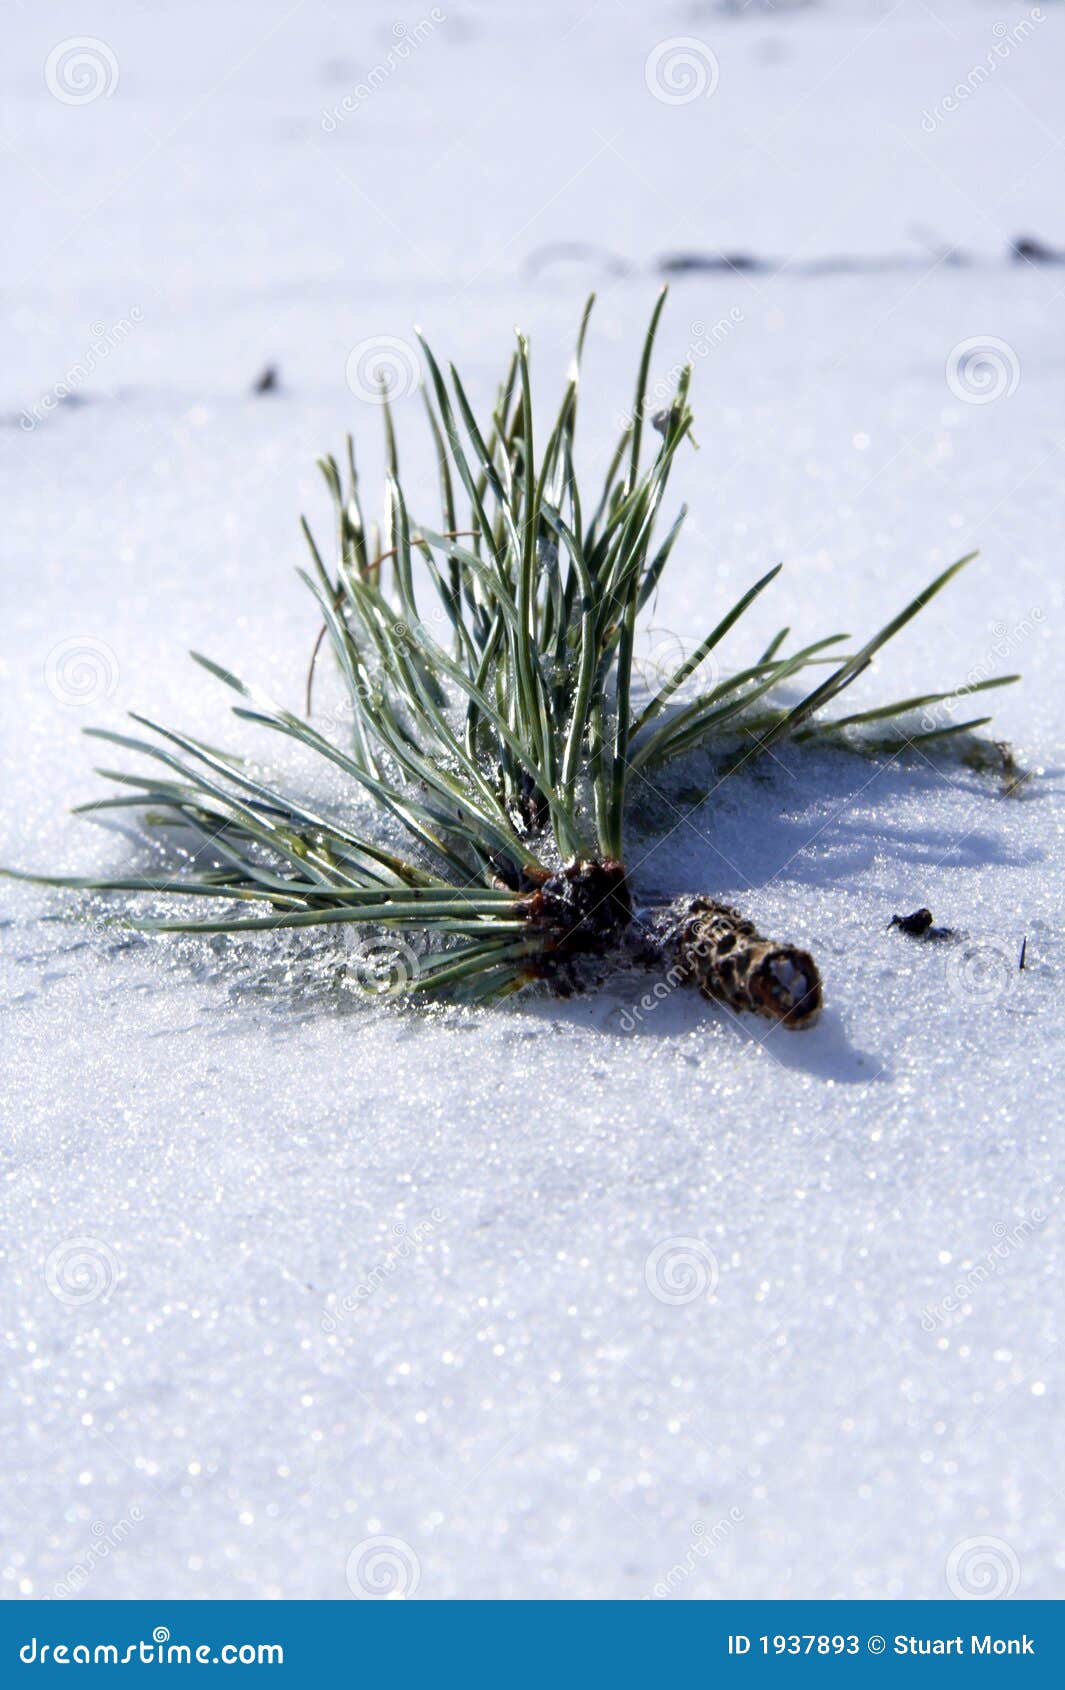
column 307, row 1296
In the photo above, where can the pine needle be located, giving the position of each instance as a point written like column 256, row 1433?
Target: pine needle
column 505, row 755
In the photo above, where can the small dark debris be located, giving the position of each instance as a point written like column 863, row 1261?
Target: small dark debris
column 688, row 263
column 1024, row 952
column 269, row 381
column 1027, row 249
column 919, row 926
column 916, row 924
column 662, row 420
column 996, row 757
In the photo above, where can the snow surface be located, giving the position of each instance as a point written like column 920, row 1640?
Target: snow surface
column 351, row 1273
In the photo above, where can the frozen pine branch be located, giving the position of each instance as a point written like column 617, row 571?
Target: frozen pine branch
column 504, row 751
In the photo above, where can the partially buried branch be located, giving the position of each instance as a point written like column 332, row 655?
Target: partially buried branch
column 495, row 720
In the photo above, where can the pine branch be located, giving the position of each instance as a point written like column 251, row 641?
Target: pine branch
column 503, row 752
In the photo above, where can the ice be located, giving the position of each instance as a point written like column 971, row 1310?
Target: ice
column 563, row 1297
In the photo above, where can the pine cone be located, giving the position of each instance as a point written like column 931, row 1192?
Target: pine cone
column 726, row 957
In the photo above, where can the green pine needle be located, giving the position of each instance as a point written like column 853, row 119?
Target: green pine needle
column 506, row 751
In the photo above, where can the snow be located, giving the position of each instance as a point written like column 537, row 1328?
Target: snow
column 558, row 1297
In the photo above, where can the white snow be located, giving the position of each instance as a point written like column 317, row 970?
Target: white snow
column 562, row 1296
